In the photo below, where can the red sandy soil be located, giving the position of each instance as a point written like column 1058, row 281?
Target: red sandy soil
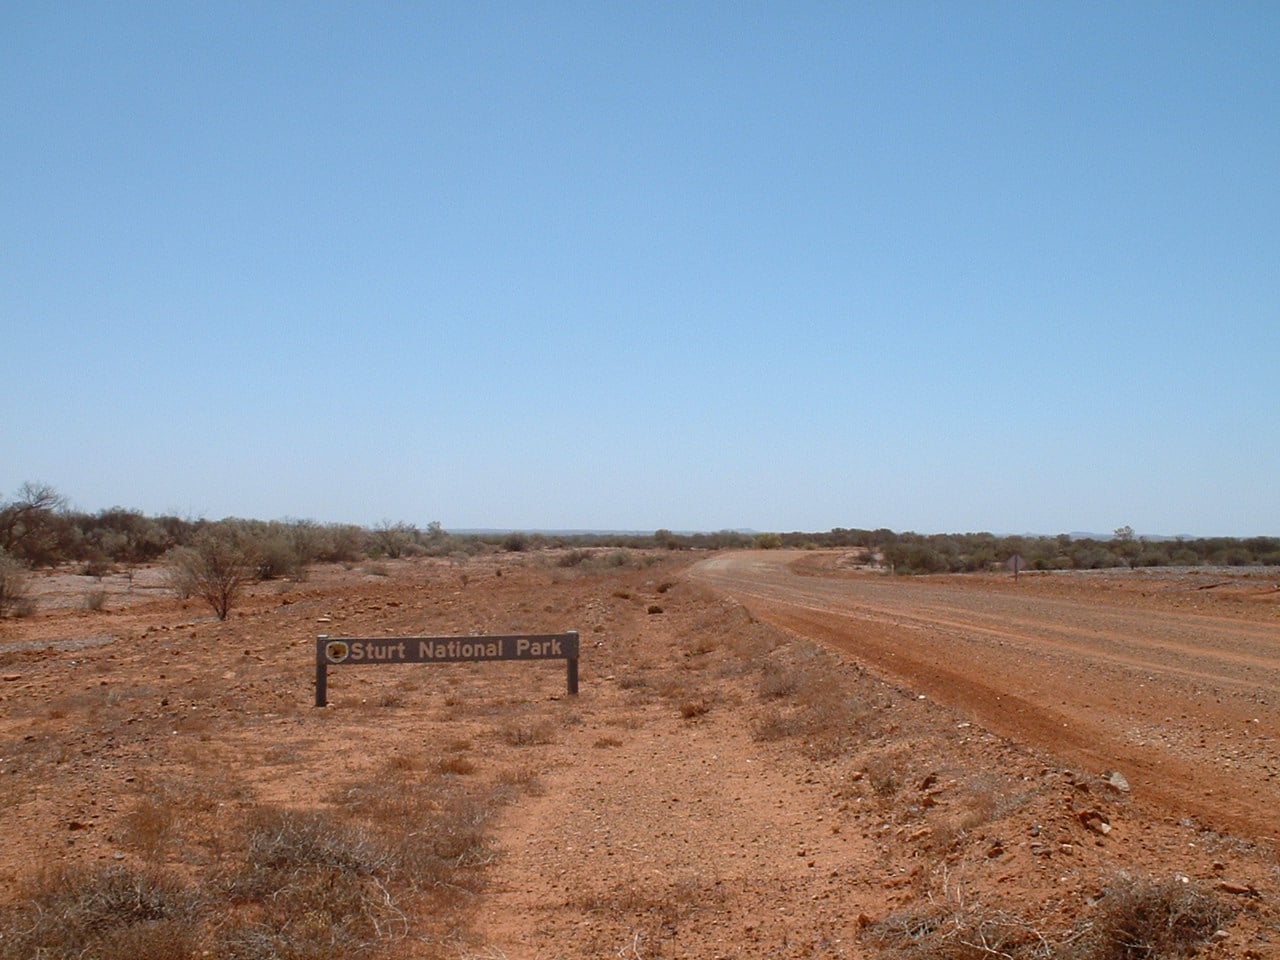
column 1173, row 679
column 967, row 768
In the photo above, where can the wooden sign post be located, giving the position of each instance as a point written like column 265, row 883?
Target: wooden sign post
column 363, row 651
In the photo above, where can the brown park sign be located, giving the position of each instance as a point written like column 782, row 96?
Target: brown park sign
column 363, row 651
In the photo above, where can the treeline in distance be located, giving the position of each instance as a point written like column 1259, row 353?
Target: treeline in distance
column 38, row 529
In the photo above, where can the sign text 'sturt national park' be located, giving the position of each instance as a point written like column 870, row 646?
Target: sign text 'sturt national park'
column 363, row 651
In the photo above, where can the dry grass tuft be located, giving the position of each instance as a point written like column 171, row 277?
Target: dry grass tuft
column 701, row 645
column 816, row 711
column 291, row 885
column 404, row 764
column 149, row 826
column 106, row 913
column 633, row 681
column 528, row 733
column 882, row 774
column 696, row 707
column 455, row 764
column 283, row 844
column 779, row 680
column 806, row 699
column 935, row 932
column 1142, row 920
column 314, row 885
column 1136, row 920
column 653, row 909
column 525, row 778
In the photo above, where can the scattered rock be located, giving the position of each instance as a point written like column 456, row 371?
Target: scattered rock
column 1238, row 889
column 1116, row 781
column 1095, row 821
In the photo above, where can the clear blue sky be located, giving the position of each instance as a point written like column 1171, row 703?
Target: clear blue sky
column 930, row 266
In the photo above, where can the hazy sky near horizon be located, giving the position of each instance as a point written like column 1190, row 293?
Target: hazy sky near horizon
column 791, row 266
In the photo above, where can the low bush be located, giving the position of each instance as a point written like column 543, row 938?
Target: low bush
column 1136, row 920
column 316, row 888
column 149, row 826
column 277, row 556
column 806, row 702
column 523, row 733
column 696, row 707
column 969, row 932
column 110, row 913
column 1143, row 920
column 457, row 765
column 215, row 568
column 15, row 589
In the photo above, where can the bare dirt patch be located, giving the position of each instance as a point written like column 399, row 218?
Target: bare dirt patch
column 725, row 785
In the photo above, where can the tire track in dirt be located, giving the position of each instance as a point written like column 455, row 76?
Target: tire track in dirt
column 1112, row 645
column 1193, row 727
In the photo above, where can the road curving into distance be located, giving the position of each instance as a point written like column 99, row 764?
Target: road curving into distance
column 1181, row 696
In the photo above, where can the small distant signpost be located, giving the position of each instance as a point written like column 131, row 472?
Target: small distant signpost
column 364, row 651
column 1016, row 564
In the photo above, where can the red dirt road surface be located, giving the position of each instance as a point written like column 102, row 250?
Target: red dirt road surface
column 1172, row 679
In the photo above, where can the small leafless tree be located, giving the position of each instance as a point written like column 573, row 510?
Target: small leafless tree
column 215, row 568
column 32, row 526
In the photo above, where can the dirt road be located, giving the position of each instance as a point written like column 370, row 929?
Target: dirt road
column 1173, row 682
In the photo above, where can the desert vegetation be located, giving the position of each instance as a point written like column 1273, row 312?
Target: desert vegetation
column 39, row 530
column 292, row 885
column 915, row 553
column 15, row 594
